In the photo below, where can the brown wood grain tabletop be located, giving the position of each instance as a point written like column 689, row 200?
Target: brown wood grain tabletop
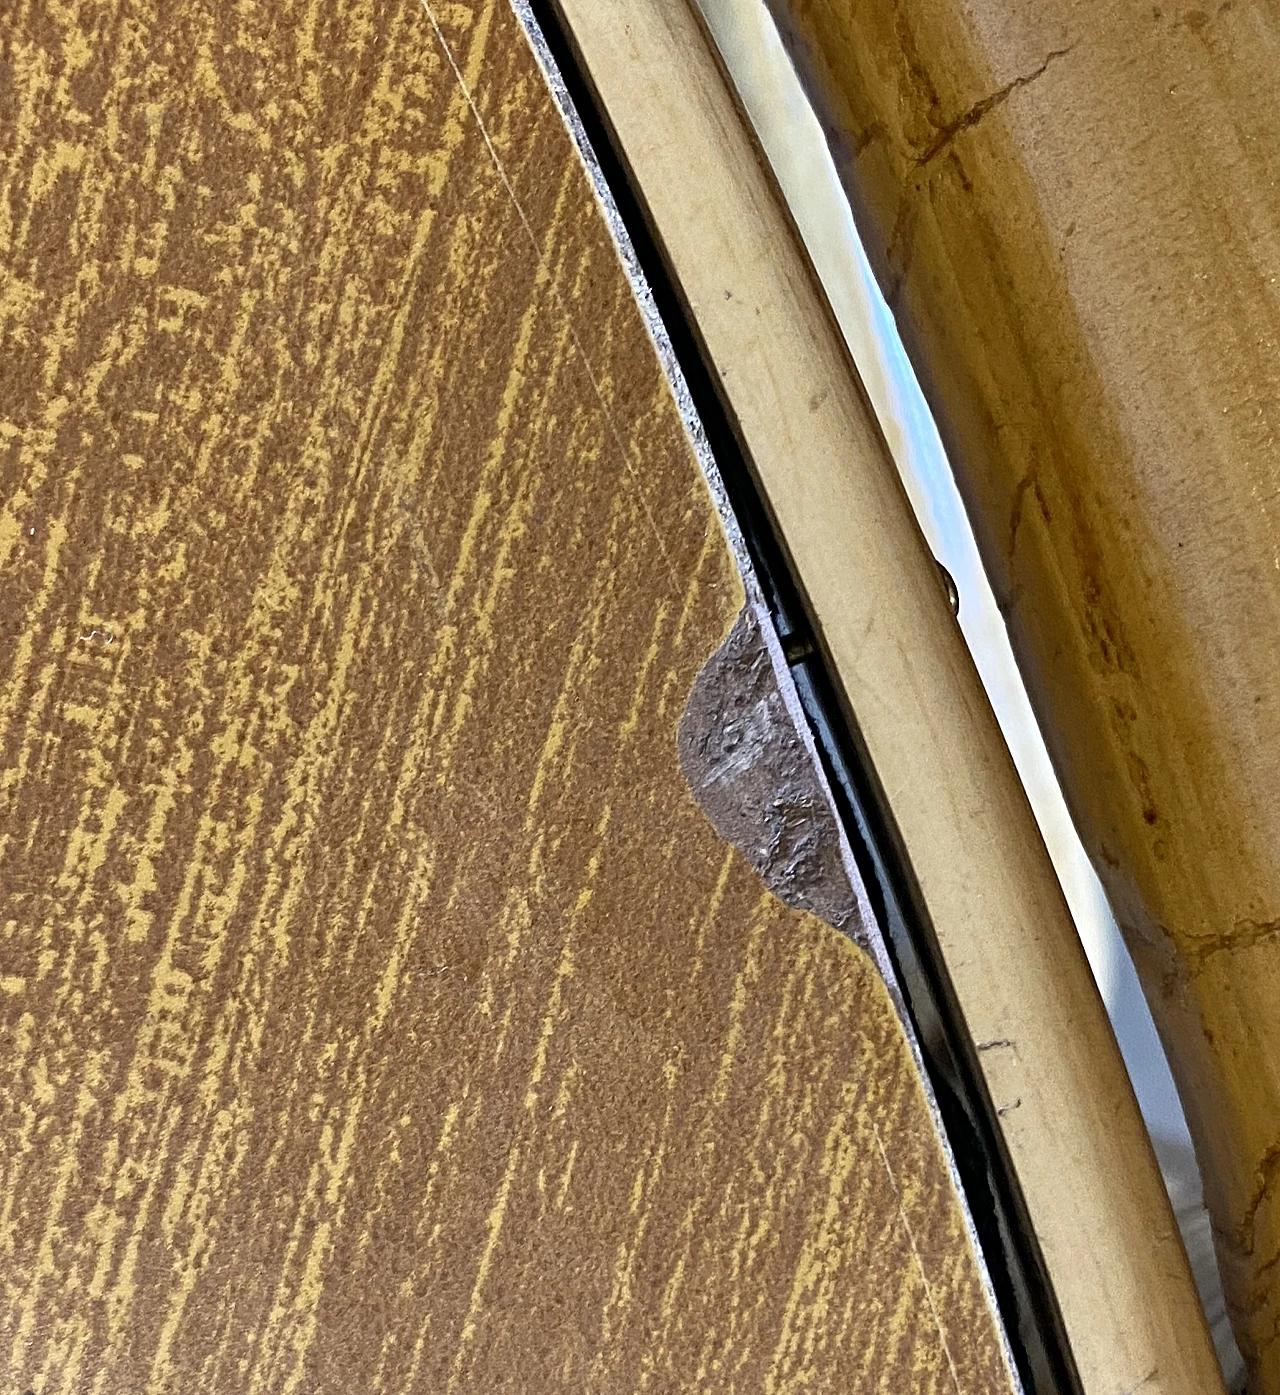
column 379, row 1010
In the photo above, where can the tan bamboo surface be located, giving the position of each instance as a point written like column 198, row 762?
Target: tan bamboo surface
column 379, row 1011
column 1068, row 1114
column 1075, row 211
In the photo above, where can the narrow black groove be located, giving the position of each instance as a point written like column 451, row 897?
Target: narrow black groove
column 1023, row 1293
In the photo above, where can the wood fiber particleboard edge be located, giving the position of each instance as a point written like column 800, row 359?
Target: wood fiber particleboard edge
column 1082, row 1156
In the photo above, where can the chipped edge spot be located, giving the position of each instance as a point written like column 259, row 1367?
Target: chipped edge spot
column 742, row 754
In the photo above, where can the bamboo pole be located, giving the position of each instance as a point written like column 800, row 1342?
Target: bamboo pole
column 1070, row 1119
column 1075, row 213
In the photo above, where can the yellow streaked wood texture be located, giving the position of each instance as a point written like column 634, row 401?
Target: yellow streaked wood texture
column 379, row 1012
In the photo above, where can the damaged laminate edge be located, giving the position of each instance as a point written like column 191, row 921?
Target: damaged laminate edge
column 837, row 894
column 1063, row 1101
column 753, row 632
column 745, row 759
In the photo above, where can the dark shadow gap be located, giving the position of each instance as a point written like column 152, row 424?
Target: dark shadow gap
column 1024, row 1296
